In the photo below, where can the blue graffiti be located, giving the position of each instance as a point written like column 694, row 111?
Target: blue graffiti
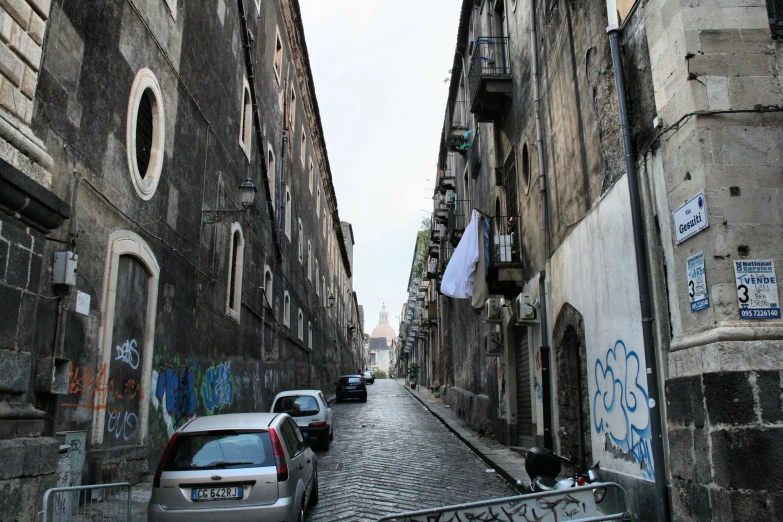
column 179, row 389
column 218, row 389
column 620, row 405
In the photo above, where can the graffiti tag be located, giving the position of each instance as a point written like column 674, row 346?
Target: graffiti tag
column 127, row 353
column 217, row 390
column 122, row 424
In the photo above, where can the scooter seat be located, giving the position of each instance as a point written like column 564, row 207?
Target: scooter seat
column 543, row 483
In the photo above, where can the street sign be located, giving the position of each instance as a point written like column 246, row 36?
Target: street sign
column 697, row 283
column 757, row 289
column 691, row 218
column 83, row 303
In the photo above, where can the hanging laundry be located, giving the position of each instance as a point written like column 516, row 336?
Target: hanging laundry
column 458, row 279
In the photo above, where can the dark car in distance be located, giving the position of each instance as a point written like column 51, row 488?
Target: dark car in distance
column 351, row 387
column 368, row 377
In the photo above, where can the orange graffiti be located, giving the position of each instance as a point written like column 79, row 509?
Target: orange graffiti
column 87, row 382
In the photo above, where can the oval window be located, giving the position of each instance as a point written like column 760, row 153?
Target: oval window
column 145, row 133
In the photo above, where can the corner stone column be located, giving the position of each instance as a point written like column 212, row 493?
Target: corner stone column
column 28, row 212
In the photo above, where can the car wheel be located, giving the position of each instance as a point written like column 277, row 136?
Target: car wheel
column 331, row 433
column 314, row 492
column 364, row 399
column 338, row 399
column 325, row 443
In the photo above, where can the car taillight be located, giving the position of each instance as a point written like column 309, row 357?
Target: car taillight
column 317, row 425
column 280, row 462
column 163, row 459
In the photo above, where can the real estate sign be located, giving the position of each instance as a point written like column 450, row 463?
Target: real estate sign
column 757, row 289
column 697, row 283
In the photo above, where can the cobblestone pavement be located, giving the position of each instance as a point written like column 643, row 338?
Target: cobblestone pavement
column 391, row 454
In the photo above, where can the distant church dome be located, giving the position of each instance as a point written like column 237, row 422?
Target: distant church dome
column 384, row 329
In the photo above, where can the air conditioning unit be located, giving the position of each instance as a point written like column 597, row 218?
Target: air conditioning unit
column 494, row 309
column 493, row 343
column 525, row 309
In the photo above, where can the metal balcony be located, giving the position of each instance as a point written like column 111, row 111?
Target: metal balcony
column 489, row 78
column 505, row 272
column 459, row 215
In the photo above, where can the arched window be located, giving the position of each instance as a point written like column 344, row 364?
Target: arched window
column 287, row 213
column 303, row 147
column 286, row 309
column 300, row 242
column 268, row 293
column 318, row 204
column 236, row 261
column 270, row 169
column 309, row 335
column 317, row 278
column 246, row 121
column 309, row 261
column 310, row 176
column 300, row 325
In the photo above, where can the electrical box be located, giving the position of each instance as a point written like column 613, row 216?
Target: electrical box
column 493, row 343
column 524, row 309
column 494, row 310
column 64, row 268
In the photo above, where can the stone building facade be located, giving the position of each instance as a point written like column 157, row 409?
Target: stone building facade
column 148, row 117
column 532, row 139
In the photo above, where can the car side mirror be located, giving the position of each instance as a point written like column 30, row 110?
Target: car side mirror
column 312, row 442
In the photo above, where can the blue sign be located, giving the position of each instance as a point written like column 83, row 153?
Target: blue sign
column 697, row 283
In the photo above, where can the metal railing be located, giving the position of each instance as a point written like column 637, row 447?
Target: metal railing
column 572, row 504
column 504, row 240
column 459, row 216
column 488, row 59
column 87, row 503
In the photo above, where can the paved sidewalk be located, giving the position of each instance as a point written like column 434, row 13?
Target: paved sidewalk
column 506, row 462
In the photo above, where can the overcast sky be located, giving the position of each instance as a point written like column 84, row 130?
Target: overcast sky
column 379, row 70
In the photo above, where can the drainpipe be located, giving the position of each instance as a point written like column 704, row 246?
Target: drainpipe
column 661, row 492
column 546, row 358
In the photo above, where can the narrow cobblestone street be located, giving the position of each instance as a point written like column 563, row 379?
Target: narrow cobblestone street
column 391, row 454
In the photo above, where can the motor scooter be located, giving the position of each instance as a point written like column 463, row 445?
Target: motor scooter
column 544, row 465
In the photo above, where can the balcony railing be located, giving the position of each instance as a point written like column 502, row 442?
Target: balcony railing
column 459, row 215
column 505, row 271
column 489, row 78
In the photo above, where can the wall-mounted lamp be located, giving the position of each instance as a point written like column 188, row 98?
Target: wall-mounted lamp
column 331, row 303
column 247, row 194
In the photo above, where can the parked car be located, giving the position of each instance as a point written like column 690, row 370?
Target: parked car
column 310, row 411
column 368, row 377
column 351, row 387
column 234, row 467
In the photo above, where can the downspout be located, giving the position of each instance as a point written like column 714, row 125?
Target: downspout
column 661, row 492
column 257, row 125
column 546, row 357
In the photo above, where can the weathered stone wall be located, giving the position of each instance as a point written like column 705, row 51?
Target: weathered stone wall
column 201, row 359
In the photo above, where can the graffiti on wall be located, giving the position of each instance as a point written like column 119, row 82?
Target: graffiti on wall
column 84, row 383
column 217, row 389
column 175, row 395
column 128, row 353
column 620, row 406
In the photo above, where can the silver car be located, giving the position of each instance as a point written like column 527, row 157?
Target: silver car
column 239, row 466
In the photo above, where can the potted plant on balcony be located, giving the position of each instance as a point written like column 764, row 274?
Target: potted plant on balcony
column 413, row 373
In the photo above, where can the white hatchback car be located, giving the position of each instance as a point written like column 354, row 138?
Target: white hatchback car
column 310, row 411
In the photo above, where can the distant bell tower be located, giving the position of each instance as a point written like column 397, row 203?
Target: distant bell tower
column 383, row 316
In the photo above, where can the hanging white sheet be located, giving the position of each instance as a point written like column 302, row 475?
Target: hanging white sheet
column 458, row 279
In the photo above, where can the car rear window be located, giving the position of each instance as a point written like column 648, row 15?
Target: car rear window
column 297, row 405
column 220, row 450
column 350, row 380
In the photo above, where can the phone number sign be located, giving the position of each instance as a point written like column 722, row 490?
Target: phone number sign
column 757, row 289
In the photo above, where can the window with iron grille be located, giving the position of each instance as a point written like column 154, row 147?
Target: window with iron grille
column 145, row 136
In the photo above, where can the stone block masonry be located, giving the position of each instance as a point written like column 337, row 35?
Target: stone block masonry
column 22, row 25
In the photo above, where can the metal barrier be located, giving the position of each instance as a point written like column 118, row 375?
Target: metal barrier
column 572, row 504
column 87, row 503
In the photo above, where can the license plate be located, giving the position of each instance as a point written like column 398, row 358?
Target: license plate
column 350, row 387
column 231, row 493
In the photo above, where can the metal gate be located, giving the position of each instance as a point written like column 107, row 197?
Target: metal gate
column 109, row 502
column 524, row 401
column 572, row 504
